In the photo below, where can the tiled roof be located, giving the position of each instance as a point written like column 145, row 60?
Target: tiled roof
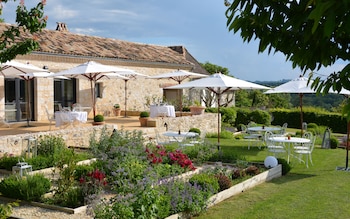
column 64, row 42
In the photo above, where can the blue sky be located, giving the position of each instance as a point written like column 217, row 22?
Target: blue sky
column 199, row 25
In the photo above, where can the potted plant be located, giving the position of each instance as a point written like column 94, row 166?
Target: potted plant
column 98, row 120
column 116, row 109
column 197, row 108
column 144, row 115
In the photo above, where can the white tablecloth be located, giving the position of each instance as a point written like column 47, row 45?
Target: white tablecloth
column 63, row 117
column 167, row 110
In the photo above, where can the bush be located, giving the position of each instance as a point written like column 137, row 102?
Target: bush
column 334, row 143
column 99, row 118
column 49, row 144
column 144, row 114
column 196, row 130
column 40, row 162
column 205, row 181
column 82, row 170
column 8, row 161
column 285, row 166
column 224, row 181
column 29, row 188
column 252, row 170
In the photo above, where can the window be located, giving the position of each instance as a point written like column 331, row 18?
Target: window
column 98, row 90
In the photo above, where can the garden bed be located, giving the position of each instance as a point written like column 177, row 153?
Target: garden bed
column 219, row 197
column 241, row 187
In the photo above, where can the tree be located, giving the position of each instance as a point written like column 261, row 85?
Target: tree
column 212, row 68
column 28, row 21
column 310, row 33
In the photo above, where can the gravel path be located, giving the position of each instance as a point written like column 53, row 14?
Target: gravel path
column 31, row 212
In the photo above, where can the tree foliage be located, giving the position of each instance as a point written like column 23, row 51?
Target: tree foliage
column 310, row 33
column 212, row 68
column 28, row 21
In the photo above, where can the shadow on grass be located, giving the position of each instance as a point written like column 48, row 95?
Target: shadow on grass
column 292, row 177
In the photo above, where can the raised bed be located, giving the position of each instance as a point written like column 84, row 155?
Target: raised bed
column 215, row 199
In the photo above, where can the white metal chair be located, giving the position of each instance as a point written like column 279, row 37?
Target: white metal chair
column 253, row 138
column 50, row 117
column 4, row 121
column 307, row 151
column 273, row 147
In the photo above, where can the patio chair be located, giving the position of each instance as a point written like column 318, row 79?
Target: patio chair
column 273, row 147
column 251, row 137
column 3, row 121
column 50, row 117
column 307, row 151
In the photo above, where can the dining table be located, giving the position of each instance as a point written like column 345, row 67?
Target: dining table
column 289, row 142
column 162, row 110
column 62, row 117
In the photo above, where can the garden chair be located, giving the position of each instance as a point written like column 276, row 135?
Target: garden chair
column 273, row 147
column 50, row 117
column 306, row 150
column 252, row 138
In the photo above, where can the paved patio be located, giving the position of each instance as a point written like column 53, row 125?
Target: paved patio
column 128, row 123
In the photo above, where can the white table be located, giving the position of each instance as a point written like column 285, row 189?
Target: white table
column 62, row 117
column 263, row 129
column 165, row 110
column 289, row 142
column 180, row 136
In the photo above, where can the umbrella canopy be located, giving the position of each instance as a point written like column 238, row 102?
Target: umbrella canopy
column 13, row 69
column 300, row 86
column 93, row 72
column 178, row 75
column 219, row 84
column 128, row 75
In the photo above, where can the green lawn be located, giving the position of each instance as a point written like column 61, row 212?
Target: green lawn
column 319, row 191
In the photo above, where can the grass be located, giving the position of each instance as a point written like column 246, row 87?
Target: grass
column 319, row 191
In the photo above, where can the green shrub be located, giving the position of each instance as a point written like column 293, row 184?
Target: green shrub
column 205, row 180
column 82, row 170
column 99, row 118
column 334, row 143
column 49, row 144
column 40, row 162
column 7, row 162
column 29, row 188
column 285, row 166
column 196, row 130
column 144, row 114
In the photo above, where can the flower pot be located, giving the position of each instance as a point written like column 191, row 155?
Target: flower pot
column 98, row 123
column 116, row 111
column 143, row 121
column 197, row 110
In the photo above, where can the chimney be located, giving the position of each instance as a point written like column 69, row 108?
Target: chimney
column 61, row 27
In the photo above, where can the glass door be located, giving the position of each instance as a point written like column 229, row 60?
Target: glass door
column 64, row 93
column 16, row 95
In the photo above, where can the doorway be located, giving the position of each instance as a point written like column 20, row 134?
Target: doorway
column 64, row 93
column 16, row 96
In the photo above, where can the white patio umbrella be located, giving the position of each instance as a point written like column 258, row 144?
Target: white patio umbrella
column 219, row 84
column 13, row 69
column 178, row 76
column 93, row 72
column 128, row 75
column 299, row 86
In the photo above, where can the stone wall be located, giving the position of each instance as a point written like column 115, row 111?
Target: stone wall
column 207, row 123
column 77, row 136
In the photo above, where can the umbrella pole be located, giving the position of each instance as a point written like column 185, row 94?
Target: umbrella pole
column 93, row 85
column 301, row 112
column 218, row 96
column 347, row 148
column 125, row 97
column 28, row 103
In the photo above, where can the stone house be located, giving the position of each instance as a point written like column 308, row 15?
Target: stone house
column 60, row 50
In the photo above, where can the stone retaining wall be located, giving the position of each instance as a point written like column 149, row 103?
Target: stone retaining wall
column 77, row 136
